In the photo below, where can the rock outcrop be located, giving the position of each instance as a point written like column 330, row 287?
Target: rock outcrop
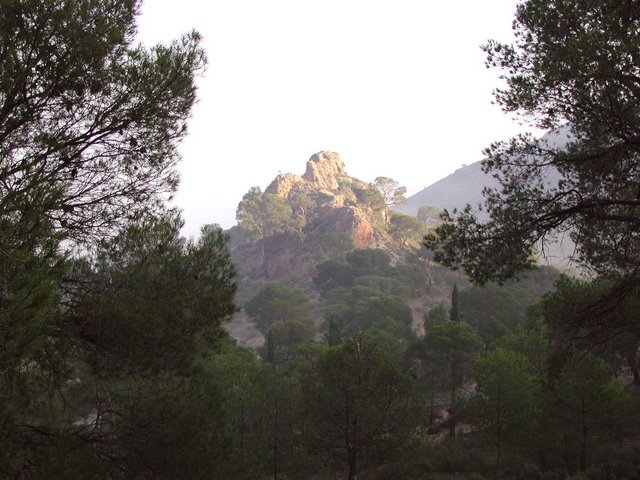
column 325, row 170
column 328, row 199
column 327, row 203
column 284, row 183
column 350, row 220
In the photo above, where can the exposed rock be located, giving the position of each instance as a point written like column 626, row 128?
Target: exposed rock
column 287, row 261
column 324, row 170
column 284, row 183
column 362, row 232
column 350, row 220
column 244, row 330
column 333, row 205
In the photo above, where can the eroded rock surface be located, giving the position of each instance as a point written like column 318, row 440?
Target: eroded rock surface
column 325, row 170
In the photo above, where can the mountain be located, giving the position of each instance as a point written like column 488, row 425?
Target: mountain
column 465, row 185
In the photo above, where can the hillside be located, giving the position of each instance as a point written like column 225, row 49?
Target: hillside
column 314, row 217
column 463, row 186
column 330, row 238
column 466, row 184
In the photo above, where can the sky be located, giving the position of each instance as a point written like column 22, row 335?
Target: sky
column 397, row 87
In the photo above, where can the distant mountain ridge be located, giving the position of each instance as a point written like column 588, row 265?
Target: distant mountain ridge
column 465, row 185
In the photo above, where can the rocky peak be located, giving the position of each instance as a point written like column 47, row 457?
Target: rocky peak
column 324, row 170
column 284, row 183
column 324, row 201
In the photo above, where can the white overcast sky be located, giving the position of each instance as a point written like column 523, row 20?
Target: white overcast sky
column 397, row 87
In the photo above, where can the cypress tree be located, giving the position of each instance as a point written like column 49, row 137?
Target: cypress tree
column 454, row 313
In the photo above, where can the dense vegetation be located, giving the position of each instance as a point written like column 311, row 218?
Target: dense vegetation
column 114, row 363
column 105, row 312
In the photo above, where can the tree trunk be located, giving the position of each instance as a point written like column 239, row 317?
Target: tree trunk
column 429, row 279
column 583, row 439
column 633, row 366
column 542, row 460
column 499, row 449
column 242, row 435
column 353, row 467
column 262, row 257
column 431, row 412
column 566, row 454
column 452, row 414
column 275, row 445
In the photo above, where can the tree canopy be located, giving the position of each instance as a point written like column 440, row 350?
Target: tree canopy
column 264, row 214
column 100, row 296
column 405, row 228
column 284, row 336
column 89, row 122
column 361, row 397
column 149, row 294
column 275, row 302
column 429, row 215
column 504, row 408
column 573, row 66
column 391, row 191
